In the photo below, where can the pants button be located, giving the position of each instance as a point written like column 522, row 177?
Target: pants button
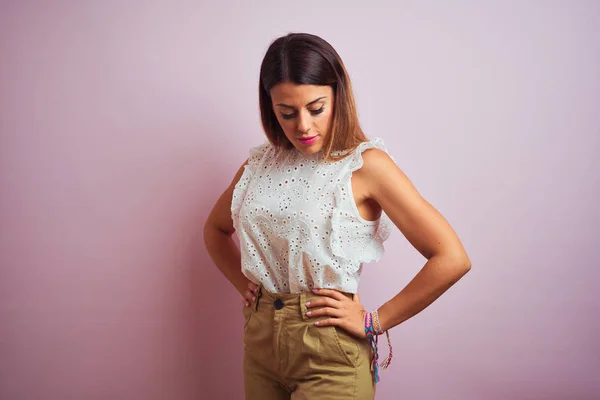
column 278, row 304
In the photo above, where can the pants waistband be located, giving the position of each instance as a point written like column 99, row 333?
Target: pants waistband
column 285, row 302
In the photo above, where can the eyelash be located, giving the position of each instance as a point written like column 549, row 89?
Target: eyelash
column 313, row 112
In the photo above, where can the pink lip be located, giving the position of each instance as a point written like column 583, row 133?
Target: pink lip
column 309, row 140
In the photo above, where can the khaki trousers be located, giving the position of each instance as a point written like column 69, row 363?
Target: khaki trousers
column 287, row 357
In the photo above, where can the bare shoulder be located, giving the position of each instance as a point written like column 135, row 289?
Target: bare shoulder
column 238, row 174
column 379, row 169
column 377, row 161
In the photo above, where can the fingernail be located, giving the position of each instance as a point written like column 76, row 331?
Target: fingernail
column 253, row 298
column 308, row 313
column 315, row 290
column 317, row 323
column 307, row 303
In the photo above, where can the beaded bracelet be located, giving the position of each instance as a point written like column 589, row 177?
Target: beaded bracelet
column 372, row 330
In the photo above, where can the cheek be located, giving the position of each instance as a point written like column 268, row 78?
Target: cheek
column 286, row 124
column 288, row 127
column 326, row 120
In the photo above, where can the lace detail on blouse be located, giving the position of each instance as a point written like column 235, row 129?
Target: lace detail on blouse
column 298, row 224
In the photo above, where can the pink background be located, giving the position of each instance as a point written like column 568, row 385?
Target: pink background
column 121, row 122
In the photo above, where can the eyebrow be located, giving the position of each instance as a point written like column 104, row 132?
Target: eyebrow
column 312, row 102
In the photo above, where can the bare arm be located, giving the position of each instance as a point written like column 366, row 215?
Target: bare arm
column 424, row 227
column 218, row 231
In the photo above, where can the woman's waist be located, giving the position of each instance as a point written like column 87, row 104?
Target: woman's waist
column 293, row 299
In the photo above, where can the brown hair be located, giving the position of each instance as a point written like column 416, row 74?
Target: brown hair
column 303, row 58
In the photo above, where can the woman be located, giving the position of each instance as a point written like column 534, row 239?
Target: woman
column 310, row 206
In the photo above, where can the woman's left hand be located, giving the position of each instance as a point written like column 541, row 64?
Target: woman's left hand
column 346, row 313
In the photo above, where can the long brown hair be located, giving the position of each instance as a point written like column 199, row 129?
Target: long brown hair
column 303, row 58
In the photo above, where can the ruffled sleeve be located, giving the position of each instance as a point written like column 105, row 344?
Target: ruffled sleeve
column 353, row 237
column 357, row 161
column 255, row 159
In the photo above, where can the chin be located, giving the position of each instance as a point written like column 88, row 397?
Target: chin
column 309, row 149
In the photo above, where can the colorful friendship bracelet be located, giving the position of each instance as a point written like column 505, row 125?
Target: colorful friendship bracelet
column 372, row 330
column 386, row 363
column 372, row 338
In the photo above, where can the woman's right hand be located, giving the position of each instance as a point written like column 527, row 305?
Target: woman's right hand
column 249, row 294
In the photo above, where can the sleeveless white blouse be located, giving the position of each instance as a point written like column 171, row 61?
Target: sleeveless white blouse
column 298, row 224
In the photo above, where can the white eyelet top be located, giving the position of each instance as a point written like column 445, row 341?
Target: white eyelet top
column 298, row 224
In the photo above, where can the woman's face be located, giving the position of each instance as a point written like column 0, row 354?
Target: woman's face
column 305, row 113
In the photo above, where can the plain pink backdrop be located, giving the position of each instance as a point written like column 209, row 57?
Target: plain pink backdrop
column 122, row 121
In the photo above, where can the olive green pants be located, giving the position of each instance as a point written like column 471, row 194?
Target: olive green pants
column 287, row 357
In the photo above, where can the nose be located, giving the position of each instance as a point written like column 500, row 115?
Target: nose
column 304, row 122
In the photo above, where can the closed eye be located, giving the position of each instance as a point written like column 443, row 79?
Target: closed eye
column 312, row 112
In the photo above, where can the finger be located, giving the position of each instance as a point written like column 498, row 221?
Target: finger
column 329, row 322
column 330, row 293
column 249, row 296
column 356, row 298
column 253, row 287
column 332, row 312
column 322, row 302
